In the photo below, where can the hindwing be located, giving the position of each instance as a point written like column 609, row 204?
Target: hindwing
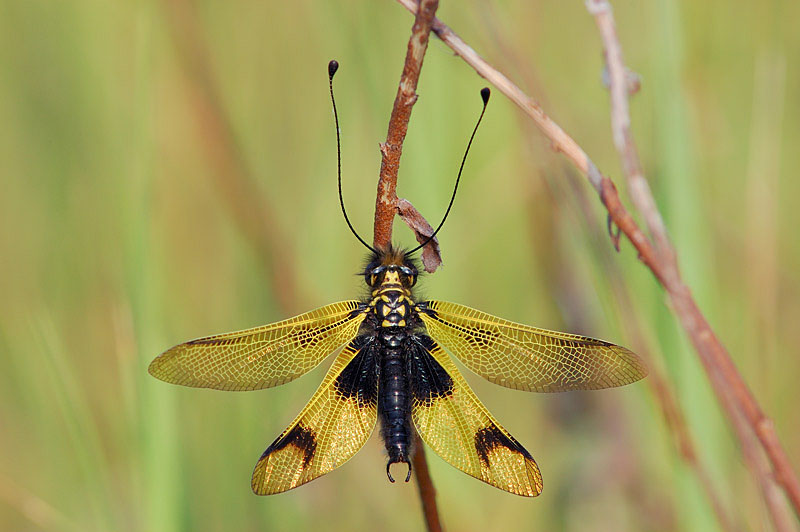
column 454, row 423
column 333, row 426
column 262, row 357
column 526, row 358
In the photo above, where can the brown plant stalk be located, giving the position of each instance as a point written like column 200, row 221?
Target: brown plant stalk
column 660, row 386
column 386, row 203
column 234, row 178
column 717, row 363
column 392, row 149
column 779, row 511
column 715, row 357
column 664, row 392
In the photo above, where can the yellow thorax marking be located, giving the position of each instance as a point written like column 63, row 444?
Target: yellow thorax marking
column 380, row 295
column 391, row 277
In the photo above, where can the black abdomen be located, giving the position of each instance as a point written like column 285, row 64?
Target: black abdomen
column 394, row 400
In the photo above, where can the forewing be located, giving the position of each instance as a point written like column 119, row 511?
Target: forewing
column 456, row 425
column 526, row 358
column 332, row 427
column 261, row 357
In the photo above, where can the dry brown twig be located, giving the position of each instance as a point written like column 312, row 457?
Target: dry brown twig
column 717, row 363
column 234, row 179
column 659, row 258
column 387, row 202
column 662, row 389
column 387, row 205
column 779, row 511
column 729, row 385
column 638, row 187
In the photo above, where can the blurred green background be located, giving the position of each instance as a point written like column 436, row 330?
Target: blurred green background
column 168, row 171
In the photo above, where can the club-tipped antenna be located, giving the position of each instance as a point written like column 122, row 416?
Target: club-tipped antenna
column 333, row 66
column 485, row 93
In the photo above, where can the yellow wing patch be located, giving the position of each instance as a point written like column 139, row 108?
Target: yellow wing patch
column 526, row 358
column 333, row 426
column 454, row 423
column 262, row 357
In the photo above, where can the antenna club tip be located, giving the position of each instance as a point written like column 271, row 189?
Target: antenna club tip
column 333, row 66
column 485, row 93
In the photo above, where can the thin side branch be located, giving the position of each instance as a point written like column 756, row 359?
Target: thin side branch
column 386, row 202
column 716, row 361
column 715, row 357
column 662, row 389
column 621, row 127
column 658, row 382
column 779, row 512
column 560, row 140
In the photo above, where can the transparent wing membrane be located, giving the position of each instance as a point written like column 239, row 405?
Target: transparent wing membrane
column 526, row 358
column 333, row 426
column 262, row 357
column 454, row 423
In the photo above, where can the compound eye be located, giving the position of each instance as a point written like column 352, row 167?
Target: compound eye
column 409, row 274
column 374, row 277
